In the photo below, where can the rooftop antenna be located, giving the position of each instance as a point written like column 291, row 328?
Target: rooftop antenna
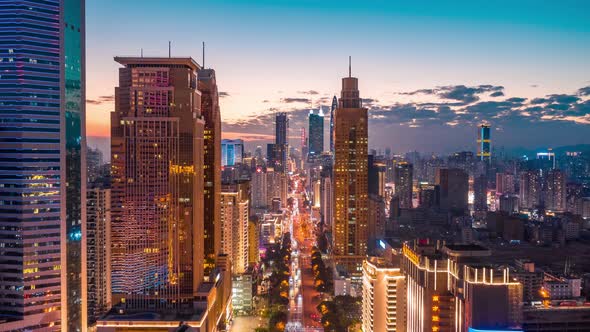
column 203, row 55
column 349, row 66
column 169, row 49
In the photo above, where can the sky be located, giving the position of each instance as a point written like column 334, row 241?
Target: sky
column 429, row 71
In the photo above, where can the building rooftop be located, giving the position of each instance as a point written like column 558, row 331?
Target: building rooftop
column 158, row 61
column 168, row 317
column 466, row 250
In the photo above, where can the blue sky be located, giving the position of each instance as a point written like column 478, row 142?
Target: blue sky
column 268, row 53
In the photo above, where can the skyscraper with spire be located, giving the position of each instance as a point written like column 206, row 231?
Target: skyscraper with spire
column 350, row 199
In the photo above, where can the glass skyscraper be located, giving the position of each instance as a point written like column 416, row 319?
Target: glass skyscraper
column 42, row 165
column 281, row 142
column 232, row 152
column 316, row 133
column 484, row 142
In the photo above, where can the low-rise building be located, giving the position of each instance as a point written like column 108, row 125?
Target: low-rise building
column 242, row 294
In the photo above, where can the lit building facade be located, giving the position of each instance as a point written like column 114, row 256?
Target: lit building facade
column 316, row 133
column 484, row 143
column 98, row 232
column 232, row 152
column 234, row 220
column 351, row 197
column 157, row 134
column 259, row 188
column 554, row 191
column 207, row 85
column 326, row 197
column 384, row 297
column 453, row 288
column 43, row 147
column 277, row 187
column 253, row 242
column 505, row 184
column 530, row 189
column 242, row 294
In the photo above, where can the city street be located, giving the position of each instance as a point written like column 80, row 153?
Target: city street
column 303, row 308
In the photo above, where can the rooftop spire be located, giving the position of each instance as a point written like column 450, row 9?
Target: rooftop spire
column 203, row 55
column 349, row 66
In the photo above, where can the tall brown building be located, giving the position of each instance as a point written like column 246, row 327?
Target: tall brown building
column 157, row 132
column 212, row 161
column 350, row 178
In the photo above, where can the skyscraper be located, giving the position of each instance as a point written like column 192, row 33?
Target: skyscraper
column 530, row 189
column 316, row 133
column 232, row 152
column 98, row 229
column 271, row 155
column 234, row 220
column 555, row 190
column 332, row 109
column 480, row 193
column 454, row 189
column 403, row 180
column 484, row 142
column 505, row 184
column 43, row 168
column 350, row 177
column 157, row 133
column 327, row 193
column 281, row 142
column 207, row 85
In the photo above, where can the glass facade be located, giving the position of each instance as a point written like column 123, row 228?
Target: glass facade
column 232, row 152
column 73, row 49
column 35, row 108
column 316, row 133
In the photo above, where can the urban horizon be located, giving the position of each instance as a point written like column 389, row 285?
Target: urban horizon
column 431, row 73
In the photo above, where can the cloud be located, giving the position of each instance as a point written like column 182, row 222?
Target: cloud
column 460, row 93
column 562, row 98
column 296, row 100
column 421, row 91
column 309, row 92
column 101, row 100
column 223, row 94
column 447, row 112
column 467, row 94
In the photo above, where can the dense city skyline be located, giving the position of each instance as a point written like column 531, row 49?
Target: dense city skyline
column 429, row 71
column 437, row 180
